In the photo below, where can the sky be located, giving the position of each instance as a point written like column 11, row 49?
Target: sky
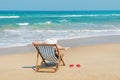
column 59, row 4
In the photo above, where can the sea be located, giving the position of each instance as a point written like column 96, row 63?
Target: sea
column 19, row 28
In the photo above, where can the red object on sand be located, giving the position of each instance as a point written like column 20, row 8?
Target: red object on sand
column 71, row 65
column 78, row 65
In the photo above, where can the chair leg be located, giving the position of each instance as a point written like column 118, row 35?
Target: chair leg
column 62, row 60
column 57, row 67
column 58, row 64
column 37, row 62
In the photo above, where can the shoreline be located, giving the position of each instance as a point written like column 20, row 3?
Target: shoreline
column 72, row 39
column 76, row 42
column 17, row 50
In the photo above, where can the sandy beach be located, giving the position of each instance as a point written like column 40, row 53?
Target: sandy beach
column 98, row 56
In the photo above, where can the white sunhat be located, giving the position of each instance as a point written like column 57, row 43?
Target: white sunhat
column 51, row 41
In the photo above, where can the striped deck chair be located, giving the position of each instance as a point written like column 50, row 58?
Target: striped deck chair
column 49, row 53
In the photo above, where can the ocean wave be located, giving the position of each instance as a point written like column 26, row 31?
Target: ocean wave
column 73, row 15
column 63, row 21
column 8, row 45
column 52, row 31
column 26, row 36
column 9, row 16
column 43, row 23
column 22, row 24
column 98, row 31
column 48, row 22
column 78, row 31
column 90, row 15
column 11, row 30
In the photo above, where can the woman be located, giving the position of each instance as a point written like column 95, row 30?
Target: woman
column 50, row 41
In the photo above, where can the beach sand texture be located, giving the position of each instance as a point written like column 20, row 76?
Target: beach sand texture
column 98, row 62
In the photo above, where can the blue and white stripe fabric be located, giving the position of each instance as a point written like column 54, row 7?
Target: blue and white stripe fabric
column 48, row 53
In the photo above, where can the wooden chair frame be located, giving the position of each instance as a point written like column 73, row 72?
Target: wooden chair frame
column 60, row 59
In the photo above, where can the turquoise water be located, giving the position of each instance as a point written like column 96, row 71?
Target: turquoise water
column 23, row 27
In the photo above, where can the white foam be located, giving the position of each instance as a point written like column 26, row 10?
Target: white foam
column 23, row 36
column 83, row 31
column 90, row 15
column 52, row 31
column 9, row 16
column 11, row 45
column 10, row 30
column 48, row 22
column 106, row 30
column 63, row 21
column 22, row 24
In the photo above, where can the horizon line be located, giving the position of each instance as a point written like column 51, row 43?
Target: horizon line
column 59, row 10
